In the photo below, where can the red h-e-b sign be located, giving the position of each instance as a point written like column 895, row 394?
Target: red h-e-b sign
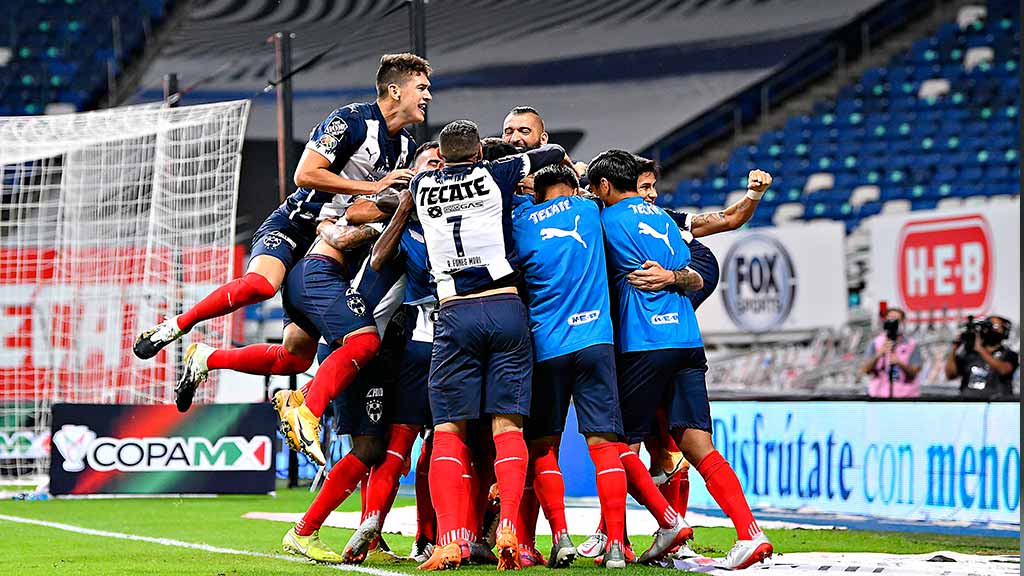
column 946, row 264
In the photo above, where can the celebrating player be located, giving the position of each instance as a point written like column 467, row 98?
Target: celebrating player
column 661, row 353
column 570, row 318
column 482, row 354
column 357, row 150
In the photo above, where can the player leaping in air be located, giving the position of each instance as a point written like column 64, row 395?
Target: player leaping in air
column 359, row 149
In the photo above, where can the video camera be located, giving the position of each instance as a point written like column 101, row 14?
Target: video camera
column 892, row 329
column 975, row 329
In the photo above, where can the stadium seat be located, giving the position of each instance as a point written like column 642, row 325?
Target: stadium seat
column 787, row 212
column 896, row 206
column 936, row 125
column 819, row 181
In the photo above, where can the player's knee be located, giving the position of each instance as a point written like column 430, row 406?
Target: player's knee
column 258, row 286
column 362, row 347
column 288, row 363
column 370, row 450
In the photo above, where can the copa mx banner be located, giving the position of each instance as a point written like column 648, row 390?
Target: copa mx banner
column 775, row 279
column 897, row 460
column 963, row 262
column 145, row 449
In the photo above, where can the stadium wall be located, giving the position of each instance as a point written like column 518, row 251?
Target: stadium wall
column 933, row 462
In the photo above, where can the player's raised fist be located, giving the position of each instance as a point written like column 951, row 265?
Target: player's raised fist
column 759, row 180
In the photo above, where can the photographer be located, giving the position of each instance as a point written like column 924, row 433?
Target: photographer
column 893, row 360
column 985, row 367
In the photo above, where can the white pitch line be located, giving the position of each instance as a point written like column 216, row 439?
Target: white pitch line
column 190, row 545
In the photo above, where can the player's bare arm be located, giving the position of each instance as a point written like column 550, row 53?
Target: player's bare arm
column 736, row 215
column 653, row 277
column 386, row 247
column 313, row 172
column 365, row 211
column 343, row 238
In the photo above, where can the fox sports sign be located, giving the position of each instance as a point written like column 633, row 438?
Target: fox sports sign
column 759, row 283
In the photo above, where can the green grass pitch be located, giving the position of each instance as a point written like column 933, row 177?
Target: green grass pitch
column 28, row 550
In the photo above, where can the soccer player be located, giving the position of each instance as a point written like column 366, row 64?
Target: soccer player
column 357, row 150
column 661, row 353
column 670, row 469
column 570, row 318
column 400, row 248
column 482, row 353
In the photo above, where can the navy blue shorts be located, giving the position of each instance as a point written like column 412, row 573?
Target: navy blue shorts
column 703, row 262
column 482, row 359
column 413, row 371
column 586, row 376
column 319, row 300
column 367, row 406
column 284, row 239
column 674, row 378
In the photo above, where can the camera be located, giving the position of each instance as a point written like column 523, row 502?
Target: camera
column 892, row 328
column 974, row 329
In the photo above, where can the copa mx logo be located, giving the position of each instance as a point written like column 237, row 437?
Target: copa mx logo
column 79, row 447
column 946, row 263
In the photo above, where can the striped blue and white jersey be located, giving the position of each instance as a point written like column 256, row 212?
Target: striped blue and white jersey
column 355, row 140
column 466, row 214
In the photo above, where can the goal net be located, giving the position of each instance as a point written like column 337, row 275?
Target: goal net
column 109, row 221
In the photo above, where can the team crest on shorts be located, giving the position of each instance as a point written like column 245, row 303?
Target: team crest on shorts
column 355, row 302
column 375, row 410
column 271, row 241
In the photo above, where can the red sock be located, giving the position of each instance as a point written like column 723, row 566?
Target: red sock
column 510, row 463
column 362, row 495
column 426, row 523
column 341, row 481
column 725, row 488
column 339, row 369
column 611, row 489
column 468, row 507
column 683, row 495
column 526, row 519
column 264, row 359
column 549, row 487
column 670, row 490
column 643, row 489
column 385, row 475
column 238, row 293
column 447, row 489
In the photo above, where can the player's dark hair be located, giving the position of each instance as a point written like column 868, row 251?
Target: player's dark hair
column 645, row 165
column 495, row 148
column 460, row 141
column 550, row 176
column 617, row 166
column 395, row 67
column 527, row 110
column 431, row 145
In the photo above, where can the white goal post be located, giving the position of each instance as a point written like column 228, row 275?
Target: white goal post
column 109, row 220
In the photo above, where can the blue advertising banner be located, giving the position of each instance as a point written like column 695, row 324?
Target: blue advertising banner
column 906, row 461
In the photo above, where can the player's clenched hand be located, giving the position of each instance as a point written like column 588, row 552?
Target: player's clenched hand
column 395, row 179
column 581, row 168
column 323, row 223
column 651, row 278
column 759, row 180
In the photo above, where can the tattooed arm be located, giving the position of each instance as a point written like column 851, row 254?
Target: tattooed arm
column 345, row 237
column 736, row 215
column 653, row 278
